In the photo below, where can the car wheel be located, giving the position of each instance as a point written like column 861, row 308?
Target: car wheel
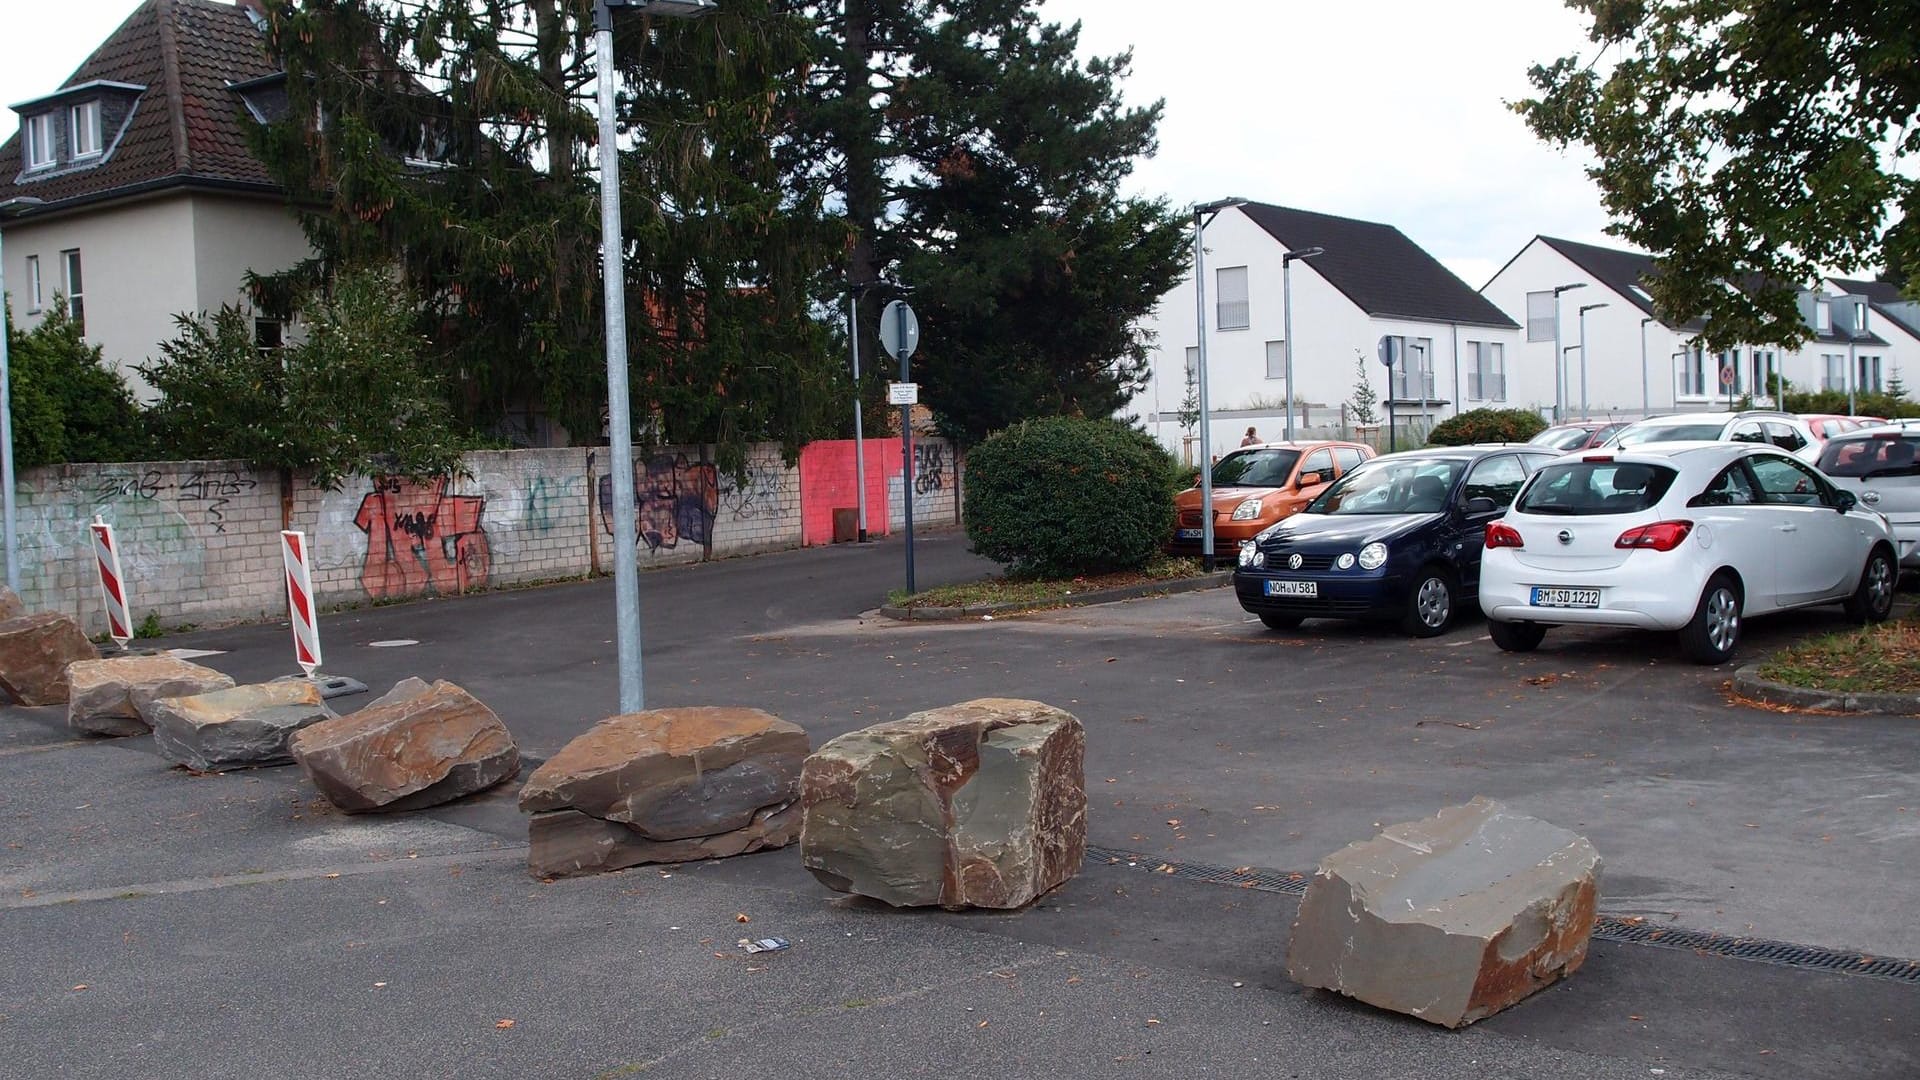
column 1713, row 633
column 1872, row 602
column 1282, row 622
column 1517, row 636
column 1430, row 605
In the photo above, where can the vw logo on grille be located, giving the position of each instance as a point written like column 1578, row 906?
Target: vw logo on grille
column 1294, row 561
column 1566, row 537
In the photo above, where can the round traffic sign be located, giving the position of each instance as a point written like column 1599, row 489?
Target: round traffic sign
column 899, row 330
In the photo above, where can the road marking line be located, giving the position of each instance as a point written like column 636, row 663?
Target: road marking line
column 266, row 877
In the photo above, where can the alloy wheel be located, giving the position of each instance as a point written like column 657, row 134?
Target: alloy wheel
column 1433, row 603
column 1723, row 619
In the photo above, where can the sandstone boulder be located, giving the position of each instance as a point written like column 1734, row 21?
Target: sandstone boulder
column 1451, row 918
column 34, row 653
column 114, row 696
column 11, row 606
column 420, row 745
column 666, row 785
column 236, row 728
column 980, row 804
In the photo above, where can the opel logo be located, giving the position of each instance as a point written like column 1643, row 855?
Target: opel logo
column 1871, row 498
column 1294, row 561
column 1566, row 537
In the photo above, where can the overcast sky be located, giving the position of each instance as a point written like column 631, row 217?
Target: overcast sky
column 1388, row 110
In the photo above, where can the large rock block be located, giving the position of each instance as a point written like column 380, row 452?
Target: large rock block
column 1451, row 918
column 420, row 745
column 980, row 804
column 34, row 653
column 236, row 728
column 115, row 695
column 11, row 606
column 666, row 785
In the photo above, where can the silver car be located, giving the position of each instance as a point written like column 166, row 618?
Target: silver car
column 1882, row 467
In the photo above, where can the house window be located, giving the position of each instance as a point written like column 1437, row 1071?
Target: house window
column 1693, row 373
column 35, row 293
column 1859, row 317
column 76, row 304
column 1486, row 371
column 268, row 334
column 1540, row 316
column 1869, row 375
column 1823, row 316
column 39, row 138
column 84, row 129
column 1413, row 372
column 1833, row 371
column 1233, row 312
column 1193, row 364
column 1276, row 359
column 1765, row 363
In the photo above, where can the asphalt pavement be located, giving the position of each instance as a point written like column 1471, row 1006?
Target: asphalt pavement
column 156, row 923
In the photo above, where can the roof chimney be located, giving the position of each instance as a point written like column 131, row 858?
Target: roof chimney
column 256, row 12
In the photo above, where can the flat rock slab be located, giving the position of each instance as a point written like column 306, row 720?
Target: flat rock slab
column 980, row 804
column 114, row 696
column 564, row 842
column 34, row 653
column 240, row 727
column 11, row 606
column 420, row 745
column 1451, row 918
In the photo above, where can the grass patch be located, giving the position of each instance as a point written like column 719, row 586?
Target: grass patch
column 1873, row 659
column 1044, row 592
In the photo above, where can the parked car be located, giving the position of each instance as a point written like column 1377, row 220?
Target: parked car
column 1784, row 430
column 1826, row 425
column 1882, row 467
column 1693, row 538
column 1577, row 435
column 1398, row 538
column 1255, row 486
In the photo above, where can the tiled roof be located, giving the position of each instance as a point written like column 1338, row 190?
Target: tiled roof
column 186, row 126
column 1883, row 296
column 1378, row 268
column 1624, row 272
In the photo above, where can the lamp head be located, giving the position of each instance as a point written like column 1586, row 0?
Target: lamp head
column 1558, row 289
column 1303, row 253
column 670, row 9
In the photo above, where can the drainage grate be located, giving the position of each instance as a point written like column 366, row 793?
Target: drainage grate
column 1628, row 931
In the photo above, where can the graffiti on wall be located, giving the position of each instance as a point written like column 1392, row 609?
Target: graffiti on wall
column 209, row 491
column 676, row 501
column 760, row 490
column 929, row 467
column 422, row 541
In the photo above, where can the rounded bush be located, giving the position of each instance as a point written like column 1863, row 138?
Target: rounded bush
column 1487, row 426
column 1062, row 496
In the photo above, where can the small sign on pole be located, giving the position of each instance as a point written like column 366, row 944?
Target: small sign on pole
column 113, row 584
column 903, row 393
column 300, row 606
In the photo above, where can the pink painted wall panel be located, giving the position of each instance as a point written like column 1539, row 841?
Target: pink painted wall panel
column 827, row 482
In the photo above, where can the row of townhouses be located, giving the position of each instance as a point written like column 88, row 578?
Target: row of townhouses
column 130, row 191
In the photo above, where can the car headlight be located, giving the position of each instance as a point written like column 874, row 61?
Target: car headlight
column 1373, row 556
column 1251, row 556
column 1345, row 561
column 1247, row 511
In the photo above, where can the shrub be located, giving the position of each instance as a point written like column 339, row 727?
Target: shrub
column 68, row 404
column 1061, row 496
column 1486, row 426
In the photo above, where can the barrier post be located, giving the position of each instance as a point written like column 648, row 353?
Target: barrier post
column 113, row 584
column 300, row 605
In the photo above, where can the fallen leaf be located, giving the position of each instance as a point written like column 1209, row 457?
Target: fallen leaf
column 380, row 984
column 1072, row 980
column 981, row 1024
column 1152, row 1021
column 330, row 875
column 80, row 986
column 1631, row 1016
column 742, row 917
column 503, row 1024
column 1243, row 869
column 1174, row 821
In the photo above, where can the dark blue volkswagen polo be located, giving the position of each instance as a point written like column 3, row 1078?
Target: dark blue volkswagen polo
column 1397, row 539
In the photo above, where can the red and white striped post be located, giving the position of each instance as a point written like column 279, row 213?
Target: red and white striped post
column 113, row 584
column 300, row 608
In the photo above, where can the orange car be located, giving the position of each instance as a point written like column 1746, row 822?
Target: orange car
column 1255, row 486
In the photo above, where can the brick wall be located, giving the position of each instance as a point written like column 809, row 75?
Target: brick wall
column 199, row 541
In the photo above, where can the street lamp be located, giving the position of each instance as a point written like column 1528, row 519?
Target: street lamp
column 1559, row 354
column 9, row 208
column 1646, row 395
column 1584, row 308
column 859, row 290
column 626, row 556
column 1286, row 331
column 1203, row 213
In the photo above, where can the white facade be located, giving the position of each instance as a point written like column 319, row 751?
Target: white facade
column 1874, row 367
column 1331, row 332
column 143, row 262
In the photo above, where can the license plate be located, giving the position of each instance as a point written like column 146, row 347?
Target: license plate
column 1186, row 534
column 1569, row 598
column 1293, row 588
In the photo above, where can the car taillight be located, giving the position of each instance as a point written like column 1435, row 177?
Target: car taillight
column 1500, row 535
column 1660, row 536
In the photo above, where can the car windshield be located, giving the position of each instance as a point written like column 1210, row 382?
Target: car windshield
column 1387, row 486
column 1888, row 453
column 1636, row 434
column 1254, row 468
column 1582, row 488
column 1563, row 438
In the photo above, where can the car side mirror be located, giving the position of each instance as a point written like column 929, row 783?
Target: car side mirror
column 1307, row 480
column 1480, row 504
column 1845, row 500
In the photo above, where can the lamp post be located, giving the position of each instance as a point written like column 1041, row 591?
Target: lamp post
column 1286, row 331
column 7, row 208
column 1584, row 308
column 1559, row 354
column 1646, row 394
column 1203, row 213
column 855, row 294
column 626, row 568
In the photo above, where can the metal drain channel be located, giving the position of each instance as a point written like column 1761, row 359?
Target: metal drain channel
column 1606, row 927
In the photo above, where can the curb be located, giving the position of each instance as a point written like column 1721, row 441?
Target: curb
column 1098, row 596
column 1748, row 684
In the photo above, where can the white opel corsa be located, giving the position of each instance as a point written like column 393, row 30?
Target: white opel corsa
column 1691, row 537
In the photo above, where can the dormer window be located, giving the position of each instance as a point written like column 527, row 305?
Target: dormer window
column 84, row 129
column 39, row 140
column 1822, row 316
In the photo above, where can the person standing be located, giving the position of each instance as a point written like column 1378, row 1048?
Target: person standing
column 1252, row 438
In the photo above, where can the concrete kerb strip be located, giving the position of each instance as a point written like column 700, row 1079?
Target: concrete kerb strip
column 1747, row 683
column 1096, row 596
